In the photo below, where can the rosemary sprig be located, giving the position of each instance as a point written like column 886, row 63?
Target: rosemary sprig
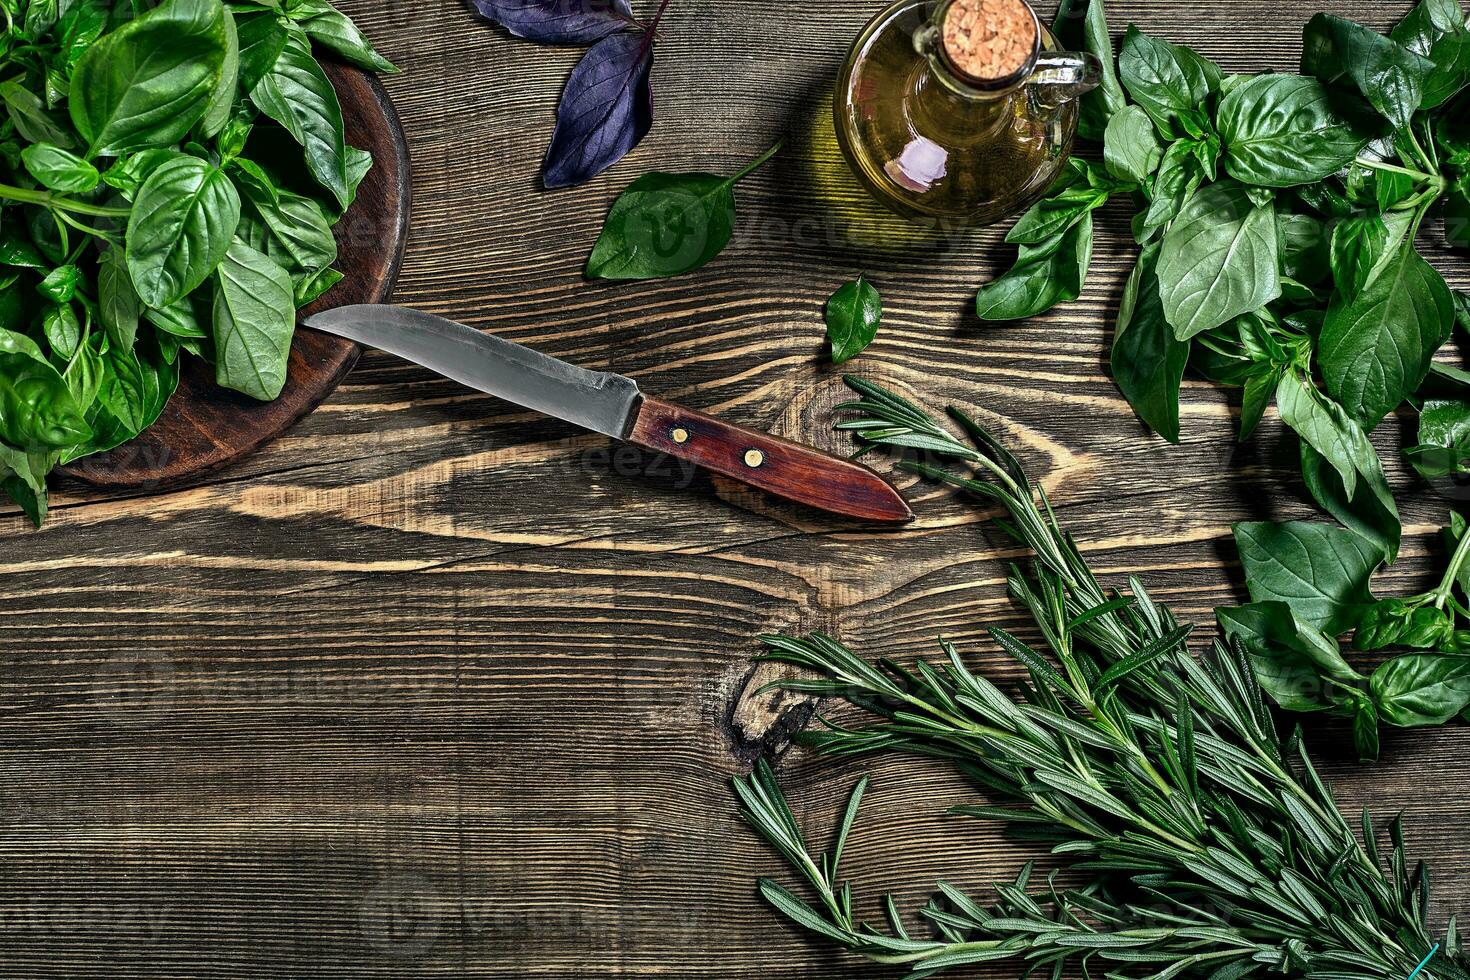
column 1209, row 847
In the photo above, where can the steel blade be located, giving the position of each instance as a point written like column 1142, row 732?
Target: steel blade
column 593, row 400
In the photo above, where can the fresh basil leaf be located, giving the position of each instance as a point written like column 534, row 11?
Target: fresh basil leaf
column 1289, row 658
column 1046, row 274
column 1168, row 80
column 62, row 329
column 32, row 502
column 1131, row 146
column 308, row 291
column 180, row 229
column 333, row 30
column 262, row 37
column 1323, row 425
column 1320, row 571
column 1388, row 74
column 1370, row 510
column 297, row 94
column 605, row 111
column 58, row 169
column 1359, row 244
column 1054, row 214
column 665, row 225
column 1260, row 389
column 559, row 21
column 118, row 306
column 1421, row 689
column 1284, row 130
column 1221, row 258
column 1148, row 362
column 1376, row 348
column 254, row 320
column 60, row 284
column 1436, row 30
column 37, row 411
column 853, row 315
column 129, row 173
column 1178, row 178
column 148, row 82
column 222, row 98
column 17, row 251
column 300, row 236
column 32, row 120
column 1444, row 440
column 1086, row 29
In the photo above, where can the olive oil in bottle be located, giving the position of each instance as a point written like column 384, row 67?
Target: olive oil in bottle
column 961, row 111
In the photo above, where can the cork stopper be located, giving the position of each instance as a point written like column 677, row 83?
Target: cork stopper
column 989, row 40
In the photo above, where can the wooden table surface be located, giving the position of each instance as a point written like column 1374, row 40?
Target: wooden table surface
column 434, row 687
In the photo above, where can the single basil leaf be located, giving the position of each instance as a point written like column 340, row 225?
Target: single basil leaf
column 1082, row 25
column 1131, row 146
column 665, row 225
column 1436, row 30
column 1388, row 74
column 300, row 236
column 179, row 230
column 58, row 169
column 222, row 98
column 1289, row 658
column 129, row 173
column 1046, row 274
column 1320, row 571
column 83, row 375
column 30, row 116
column 1054, row 214
column 1168, row 80
column 1260, row 389
column 262, row 35
column 308, row 291
column 118, row 306
column 32, row 502
column 37, row 411
column 60, row 284
column 1305, row 247
column 1390, row 188
column 188, row 319
column 1376, row 348
column 1359, row 244
column 1148, row 362
column 1284, row 130
column 1221, row 258
column 1370, row 510
column 1365, row 727
column 605, row 111
column 148, row 82
column 297, row 94
column 1323, row 425
column 16, row 250
column 1422, row 689
column 559, row 21
column 359, row 165
column 1444, row 440
column 1178, row 178
column 853, row 315
column 335, row 31
column 254, row 320
column 62, row 329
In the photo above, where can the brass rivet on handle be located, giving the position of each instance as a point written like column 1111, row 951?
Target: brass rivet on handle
column 754, row 458
column 680, row 435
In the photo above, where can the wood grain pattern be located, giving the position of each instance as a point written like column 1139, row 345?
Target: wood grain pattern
column 433, row 687
column 205, row 427
column 778, row 466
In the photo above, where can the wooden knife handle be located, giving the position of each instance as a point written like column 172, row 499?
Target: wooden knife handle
column 778, row 466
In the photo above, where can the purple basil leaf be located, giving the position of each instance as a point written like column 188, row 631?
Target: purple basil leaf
column 559, row 21
column 606, row 110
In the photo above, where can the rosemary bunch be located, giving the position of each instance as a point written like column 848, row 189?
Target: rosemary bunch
column 1208, row 846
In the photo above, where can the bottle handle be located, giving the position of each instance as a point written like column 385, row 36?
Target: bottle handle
column 1064, row 76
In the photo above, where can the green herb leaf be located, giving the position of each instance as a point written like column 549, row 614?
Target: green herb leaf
column 1168, row 80
column 1375, row 349
column 1045, row 274
column 1148, row 362
column 853, row 315
column 1288, row 657
column 1320, row 571
column 297, row 94
column 1089, row 32
column 148, row 82
column 37, row 411
column 1421, row 689
column 1221, row 258
column 1359, row 245
column 1131, row 146
column 118, row 306
column 1444, row 440
column 1284, row 130
column 1388, row 74
column 329, row 27
column 58, row 169
column 62, row 329
column 180, row 229
column 254, row 320
column 1436, row 29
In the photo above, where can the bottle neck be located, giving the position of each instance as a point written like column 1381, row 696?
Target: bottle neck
column 954, row 113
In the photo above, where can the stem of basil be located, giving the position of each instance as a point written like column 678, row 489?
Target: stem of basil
column 1457, row 563
column 48, row 200
column 1418, row 175
column 758, row 162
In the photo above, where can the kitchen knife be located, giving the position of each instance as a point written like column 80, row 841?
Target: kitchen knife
column 612, row 405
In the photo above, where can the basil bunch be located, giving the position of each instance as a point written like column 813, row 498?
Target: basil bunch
column 1310, row 586
column 1277, row 225
column 153, row 200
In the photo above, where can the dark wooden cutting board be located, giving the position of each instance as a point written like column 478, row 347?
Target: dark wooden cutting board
column 206, row 427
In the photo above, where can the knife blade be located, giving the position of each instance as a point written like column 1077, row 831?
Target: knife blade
column 612, row 405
